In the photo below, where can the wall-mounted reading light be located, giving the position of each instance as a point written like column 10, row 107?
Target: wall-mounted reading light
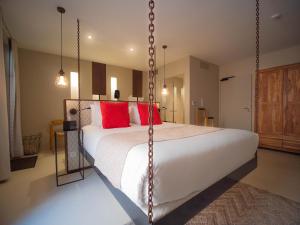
column 227, row 78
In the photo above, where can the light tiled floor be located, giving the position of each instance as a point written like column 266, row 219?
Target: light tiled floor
column 277, row 172
column 31, row 197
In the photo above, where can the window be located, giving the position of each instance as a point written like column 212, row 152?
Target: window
column 74, row 85
column 113, row 87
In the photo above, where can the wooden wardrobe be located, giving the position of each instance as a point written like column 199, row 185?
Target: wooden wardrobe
column 278, row 108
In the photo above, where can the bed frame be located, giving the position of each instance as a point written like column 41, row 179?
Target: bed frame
column 187, row 210
column 71, row 148
column 184, row 212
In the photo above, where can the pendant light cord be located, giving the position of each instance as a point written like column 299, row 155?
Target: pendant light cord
column 61, row 45
column 164, row 67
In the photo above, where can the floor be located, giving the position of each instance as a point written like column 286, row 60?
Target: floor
column 31, row 197
column 277, row 172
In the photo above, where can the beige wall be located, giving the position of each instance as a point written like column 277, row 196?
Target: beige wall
column 200, row 80
column 179, row 68
column 173, row 97
column 42, row 101
column 124, row 77
column 235, row 94
column 204, row 78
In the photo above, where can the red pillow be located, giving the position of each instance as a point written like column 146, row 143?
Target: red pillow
column 144, row 114
column 114, row 114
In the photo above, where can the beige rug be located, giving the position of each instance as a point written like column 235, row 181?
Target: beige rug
column 245, row 205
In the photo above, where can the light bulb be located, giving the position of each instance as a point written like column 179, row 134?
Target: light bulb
column 61, row 81
column 164, row 91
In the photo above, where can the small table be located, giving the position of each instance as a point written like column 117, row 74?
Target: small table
column 81, row 155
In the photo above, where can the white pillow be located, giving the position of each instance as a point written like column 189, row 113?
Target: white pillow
column 96, row 116
column 134, row 113
column 93, row 118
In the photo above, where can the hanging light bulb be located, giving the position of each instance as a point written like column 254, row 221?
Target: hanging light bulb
column 61, row 80
column 164, row 90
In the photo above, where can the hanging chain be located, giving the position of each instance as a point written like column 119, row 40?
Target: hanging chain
column 151, row 97
column 78, row 68
column 257, row 36
column 257, row 61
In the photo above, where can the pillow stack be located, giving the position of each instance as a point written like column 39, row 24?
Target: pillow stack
column 108, row 114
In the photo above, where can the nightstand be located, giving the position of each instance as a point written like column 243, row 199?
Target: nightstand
column 68, row 177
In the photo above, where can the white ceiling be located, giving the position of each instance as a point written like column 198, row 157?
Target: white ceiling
column 219, row 31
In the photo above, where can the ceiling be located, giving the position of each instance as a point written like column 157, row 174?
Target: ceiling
column 218, row 31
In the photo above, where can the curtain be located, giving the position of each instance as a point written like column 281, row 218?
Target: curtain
column 15, row 133
column 4, row 136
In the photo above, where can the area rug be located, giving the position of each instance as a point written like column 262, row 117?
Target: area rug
column 23, row 163
column 243, row 204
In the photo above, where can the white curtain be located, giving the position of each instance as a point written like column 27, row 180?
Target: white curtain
column 4, row 130
column 15, row 133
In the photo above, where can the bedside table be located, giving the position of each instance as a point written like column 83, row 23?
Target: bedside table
column 69, row 177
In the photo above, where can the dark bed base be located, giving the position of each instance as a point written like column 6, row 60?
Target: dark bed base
column 190, row 208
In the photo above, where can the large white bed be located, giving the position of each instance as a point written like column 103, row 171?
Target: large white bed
column 182, row 167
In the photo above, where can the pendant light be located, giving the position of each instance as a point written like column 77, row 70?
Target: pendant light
column 164, row 90
column 61, row 80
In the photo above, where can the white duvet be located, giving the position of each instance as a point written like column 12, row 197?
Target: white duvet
column 181, row 167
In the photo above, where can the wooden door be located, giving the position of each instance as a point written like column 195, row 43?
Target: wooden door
column 291, row 114
column 269, row 117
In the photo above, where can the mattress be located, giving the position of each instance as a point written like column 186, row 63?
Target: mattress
column 182, row 167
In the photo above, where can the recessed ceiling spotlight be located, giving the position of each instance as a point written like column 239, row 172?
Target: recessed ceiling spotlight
column 131, row 49
column 90, row 37
column 276, row 16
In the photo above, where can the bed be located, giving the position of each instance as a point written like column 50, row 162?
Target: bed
column 183, row 167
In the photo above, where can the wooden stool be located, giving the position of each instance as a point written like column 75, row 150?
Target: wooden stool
column 209, row 121
column 201, row 116
column 52, row 128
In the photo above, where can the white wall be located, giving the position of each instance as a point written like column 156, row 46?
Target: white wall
column 235, row 94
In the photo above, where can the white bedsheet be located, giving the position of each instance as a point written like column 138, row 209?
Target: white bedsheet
column 181, row 167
